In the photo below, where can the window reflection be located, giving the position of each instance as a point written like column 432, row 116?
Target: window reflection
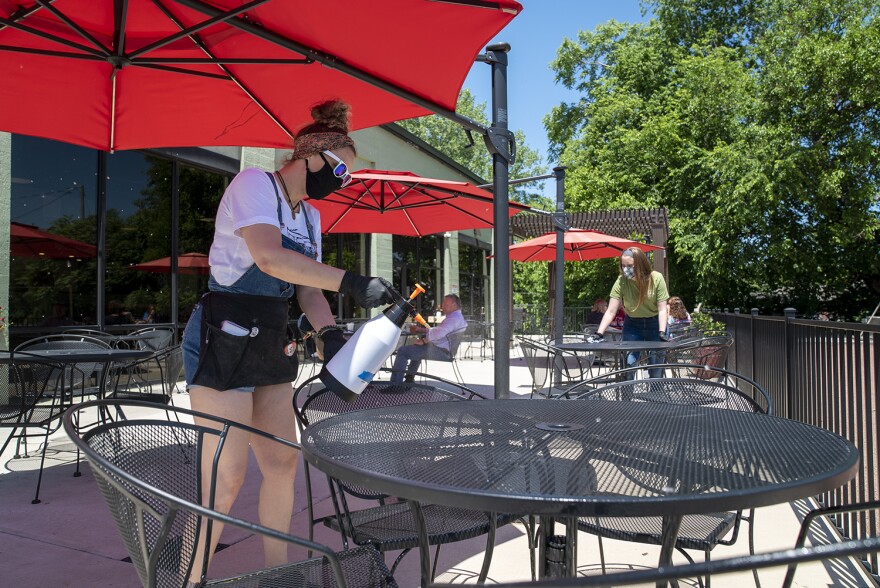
column 138, row 230
column 200, row 193
column 419, row 260
column 54, row 189
column 473, row 280
column 54, row 205
column 348, row 252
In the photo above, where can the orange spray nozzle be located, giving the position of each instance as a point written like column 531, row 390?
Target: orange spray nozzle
column 419, row 289
column 420, row 320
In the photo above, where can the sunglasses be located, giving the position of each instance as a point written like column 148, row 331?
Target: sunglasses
column 340, row 170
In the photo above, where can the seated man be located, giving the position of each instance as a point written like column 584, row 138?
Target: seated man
column 435, row 345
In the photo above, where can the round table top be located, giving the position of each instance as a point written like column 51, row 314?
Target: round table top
column 580, row 457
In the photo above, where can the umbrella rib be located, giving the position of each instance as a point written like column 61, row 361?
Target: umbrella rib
column 50, row 37
column 180, row 70
column 50, row 53
column 120, row 16
column 412, row 222
column 335, row 62
column 221, row 60
column 47, row 4
column 195, row 28
column 201, row 45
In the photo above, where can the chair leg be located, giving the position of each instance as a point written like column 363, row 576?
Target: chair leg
column 601, row 554
column 457, row 371
column 752, row 545
column 436, row 559
column 36, row 499
column 490, row 548
column 9, row 440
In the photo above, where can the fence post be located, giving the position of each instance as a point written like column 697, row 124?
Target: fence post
column 789, row 394
column 752, row 334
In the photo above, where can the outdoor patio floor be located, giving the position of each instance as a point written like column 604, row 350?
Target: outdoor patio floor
column 69, row 539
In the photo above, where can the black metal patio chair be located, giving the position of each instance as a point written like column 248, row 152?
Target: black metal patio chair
column 686, row 371
column 28, row 401
column 701, row 532
column 453, row 342
column 702, row 351
column 149, row 470
column 80, row 379
column 865, row 524
column 390, row 525
column 542, row 360
column 152, row 379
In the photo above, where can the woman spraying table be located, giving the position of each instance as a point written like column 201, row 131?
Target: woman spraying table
column 239, row 352
column 643, row 294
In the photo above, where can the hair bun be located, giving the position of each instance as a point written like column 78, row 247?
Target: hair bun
column 334, row 114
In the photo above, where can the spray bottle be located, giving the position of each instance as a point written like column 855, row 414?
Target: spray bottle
column 355, row 365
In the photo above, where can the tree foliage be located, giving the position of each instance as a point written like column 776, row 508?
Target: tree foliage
column 756, row 124
column 529, row 279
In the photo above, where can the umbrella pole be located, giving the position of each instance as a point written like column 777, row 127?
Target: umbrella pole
column 500, row 143
column 560, row 222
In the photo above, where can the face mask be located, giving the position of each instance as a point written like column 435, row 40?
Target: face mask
column 629, row 272
column 321, row 183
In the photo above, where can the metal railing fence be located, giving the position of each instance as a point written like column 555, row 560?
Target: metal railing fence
column 825, row 374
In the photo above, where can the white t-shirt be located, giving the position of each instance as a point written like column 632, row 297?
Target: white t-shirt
column 250, row 200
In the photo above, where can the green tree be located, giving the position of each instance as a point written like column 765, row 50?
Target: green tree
column 755, row 123
column 529, row 279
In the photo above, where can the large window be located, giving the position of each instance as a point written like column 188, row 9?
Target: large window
column 54, row 275
column 420, row 260
column 473, row 280
column 54, row 198
column 348, row 252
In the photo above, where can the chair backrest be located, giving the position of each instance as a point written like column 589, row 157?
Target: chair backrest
column 161, row 337
column 76, row 374
column 89, row 332
column 313, row 403
column 536, row 360
column 26, row 382
column 703, row 351
column 171, row 361
column 745, row 385
column 454, row 339
column 697, row 392
column 150, row 470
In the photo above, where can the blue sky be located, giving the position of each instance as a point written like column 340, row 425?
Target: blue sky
column 534, row 36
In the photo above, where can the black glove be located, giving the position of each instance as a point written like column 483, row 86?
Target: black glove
column 368, row 292
column 333, row 342
column 597, row 338
column 664, row 336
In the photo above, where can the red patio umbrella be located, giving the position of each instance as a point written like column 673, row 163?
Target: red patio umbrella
column 580, row 245
column 187, row 263
column 29, row 241
column 402, row 203
column 143, row 73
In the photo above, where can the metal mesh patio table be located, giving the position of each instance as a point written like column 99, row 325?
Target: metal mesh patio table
column 566, row 459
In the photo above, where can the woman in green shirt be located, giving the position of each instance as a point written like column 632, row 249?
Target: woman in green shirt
column 643, row 293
